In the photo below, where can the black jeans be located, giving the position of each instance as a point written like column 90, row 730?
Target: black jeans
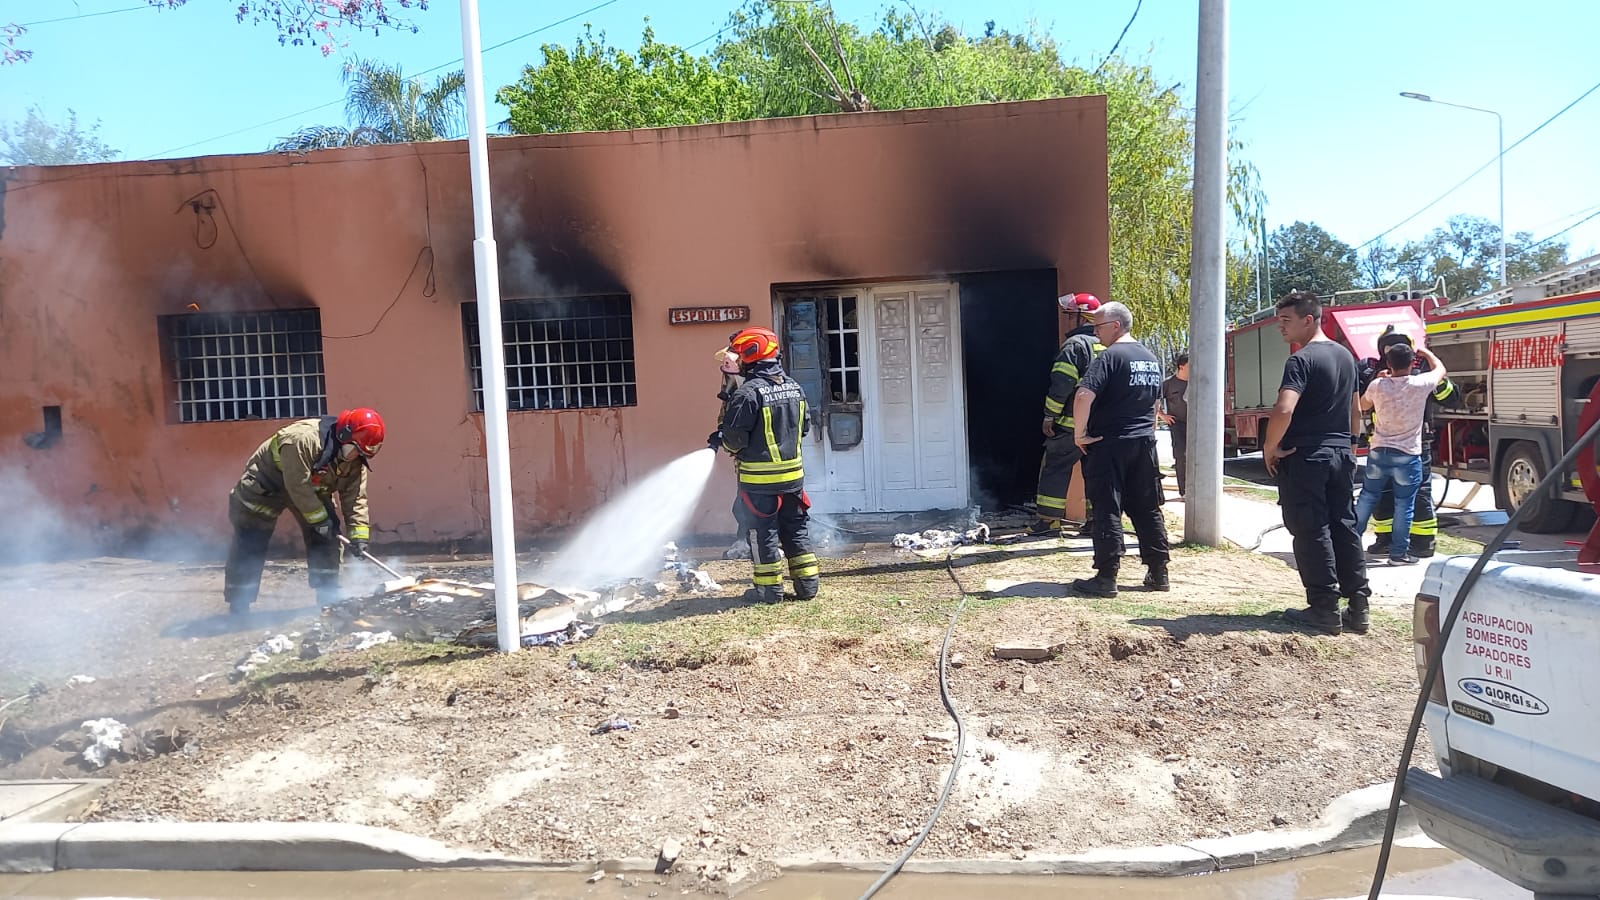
column 1316, row 491
column 1180, row 450
column 776, row 525
column 1124, row 476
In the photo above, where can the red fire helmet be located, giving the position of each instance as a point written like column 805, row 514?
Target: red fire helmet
column 754, row 344
column 362, row 427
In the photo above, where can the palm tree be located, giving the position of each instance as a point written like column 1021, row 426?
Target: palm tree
column 385, row 107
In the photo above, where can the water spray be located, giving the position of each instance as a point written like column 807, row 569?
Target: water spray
column 625, row 537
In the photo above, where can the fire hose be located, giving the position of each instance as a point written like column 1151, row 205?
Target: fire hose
column 1436, row 656
column 961, row 736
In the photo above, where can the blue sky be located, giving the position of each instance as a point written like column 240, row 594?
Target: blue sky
column 1313, row 86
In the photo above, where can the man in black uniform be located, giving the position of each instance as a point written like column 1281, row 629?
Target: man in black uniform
column 1308, row 448
column 1175, row 397
column 1116, row 411
column 1424, row 517
column 1061, row 452
column 762, row 424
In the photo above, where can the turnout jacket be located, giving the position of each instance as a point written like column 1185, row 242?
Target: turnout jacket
column 298, row 466
column 762, row 425
column 1071, row 362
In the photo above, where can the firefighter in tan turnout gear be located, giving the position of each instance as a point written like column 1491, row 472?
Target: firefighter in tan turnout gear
column 762, row 423
column 1061, row 453
column 301, row 468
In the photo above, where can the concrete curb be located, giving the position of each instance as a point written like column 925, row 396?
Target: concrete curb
column 229, row 846
column 1353, row 820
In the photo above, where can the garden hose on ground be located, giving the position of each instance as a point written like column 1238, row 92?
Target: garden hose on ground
column 1447, row 621
column 961, row 736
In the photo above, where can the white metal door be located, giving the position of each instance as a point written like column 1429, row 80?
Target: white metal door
column 894, row 354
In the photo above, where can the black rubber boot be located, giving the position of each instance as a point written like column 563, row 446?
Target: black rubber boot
column 1101, row 585
column 1325, row 621
column 1380, row 546
column 1156, row 579
column 1421, row 546
column 767, row 594
column 1356, row 621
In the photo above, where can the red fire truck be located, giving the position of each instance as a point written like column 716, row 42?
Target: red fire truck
column 1526, row 371
column 1256, row 353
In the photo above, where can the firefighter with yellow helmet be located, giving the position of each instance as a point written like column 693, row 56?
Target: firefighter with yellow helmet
column 301, row 468
column 763, row 420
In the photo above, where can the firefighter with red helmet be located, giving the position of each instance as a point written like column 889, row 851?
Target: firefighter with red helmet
column 1061, row 453
column 301, row 468
column 763, row 421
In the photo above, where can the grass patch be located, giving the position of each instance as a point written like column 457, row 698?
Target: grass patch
column 1451, row 545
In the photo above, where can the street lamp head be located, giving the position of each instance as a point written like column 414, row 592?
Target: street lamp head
column 1415, row 96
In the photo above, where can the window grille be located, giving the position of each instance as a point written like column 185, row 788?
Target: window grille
column 566, row 353
column 252, row 365
column 843, row 333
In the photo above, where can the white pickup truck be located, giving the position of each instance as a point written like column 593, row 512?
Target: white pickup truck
column 1514, row 720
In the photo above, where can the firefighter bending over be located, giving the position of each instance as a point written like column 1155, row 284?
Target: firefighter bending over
column 762, row 424
column 1061, row 452
column 301, row 468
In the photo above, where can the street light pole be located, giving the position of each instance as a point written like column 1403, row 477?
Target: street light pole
column 486, row 265
column 1202, row 509
column 1500, row 130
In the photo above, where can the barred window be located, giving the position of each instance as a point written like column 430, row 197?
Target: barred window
column 252, row 365
column 564, row 353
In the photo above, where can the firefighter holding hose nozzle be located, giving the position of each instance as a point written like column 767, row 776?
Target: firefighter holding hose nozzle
column 763, row 420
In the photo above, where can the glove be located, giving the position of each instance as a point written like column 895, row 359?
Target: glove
column 714, row 440
column 323, row 529
column 359, row 547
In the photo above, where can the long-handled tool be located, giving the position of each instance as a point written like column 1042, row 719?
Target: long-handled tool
column 400, row 582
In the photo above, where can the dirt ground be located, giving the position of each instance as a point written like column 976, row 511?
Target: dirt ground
column 758, row 732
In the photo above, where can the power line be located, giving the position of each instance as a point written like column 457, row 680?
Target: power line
column 437, row 68
column 1480, row 169
column 106, row 12
column 1536, row 244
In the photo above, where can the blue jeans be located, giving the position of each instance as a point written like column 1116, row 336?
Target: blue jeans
column 1387, row 466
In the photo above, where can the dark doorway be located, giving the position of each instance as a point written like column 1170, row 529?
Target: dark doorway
column 1009, row 333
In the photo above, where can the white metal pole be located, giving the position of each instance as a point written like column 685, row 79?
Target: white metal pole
column 1202, row 508
column 502, row 532
column 1500, row 128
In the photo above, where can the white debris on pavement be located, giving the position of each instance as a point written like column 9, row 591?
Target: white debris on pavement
column 278, row 643
column 940, row 539
column 105, row 741
column 76, row 680
column 361, row 640
column 263, row 653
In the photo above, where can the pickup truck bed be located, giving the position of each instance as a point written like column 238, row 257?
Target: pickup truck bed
column 1515, row 722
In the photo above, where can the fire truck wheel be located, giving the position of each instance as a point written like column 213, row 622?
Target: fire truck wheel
column 1523, row 469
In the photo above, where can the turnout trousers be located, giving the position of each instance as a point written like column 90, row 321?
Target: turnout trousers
column 247, row 554
column 776, row 527
column 1061, row 455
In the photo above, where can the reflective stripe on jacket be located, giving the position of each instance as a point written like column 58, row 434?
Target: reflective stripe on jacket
column 762, row 426
column 1071, row 361
column 289, row 469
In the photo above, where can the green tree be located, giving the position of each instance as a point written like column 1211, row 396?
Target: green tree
column 385, row 107
column 35, row 141
column 298, row 22
column 593, row 87
column 1465, row 253
column 789, row 59
column 1305, row 256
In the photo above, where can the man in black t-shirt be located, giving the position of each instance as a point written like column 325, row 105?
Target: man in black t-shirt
column 1116, row 404
column 1308, row 449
